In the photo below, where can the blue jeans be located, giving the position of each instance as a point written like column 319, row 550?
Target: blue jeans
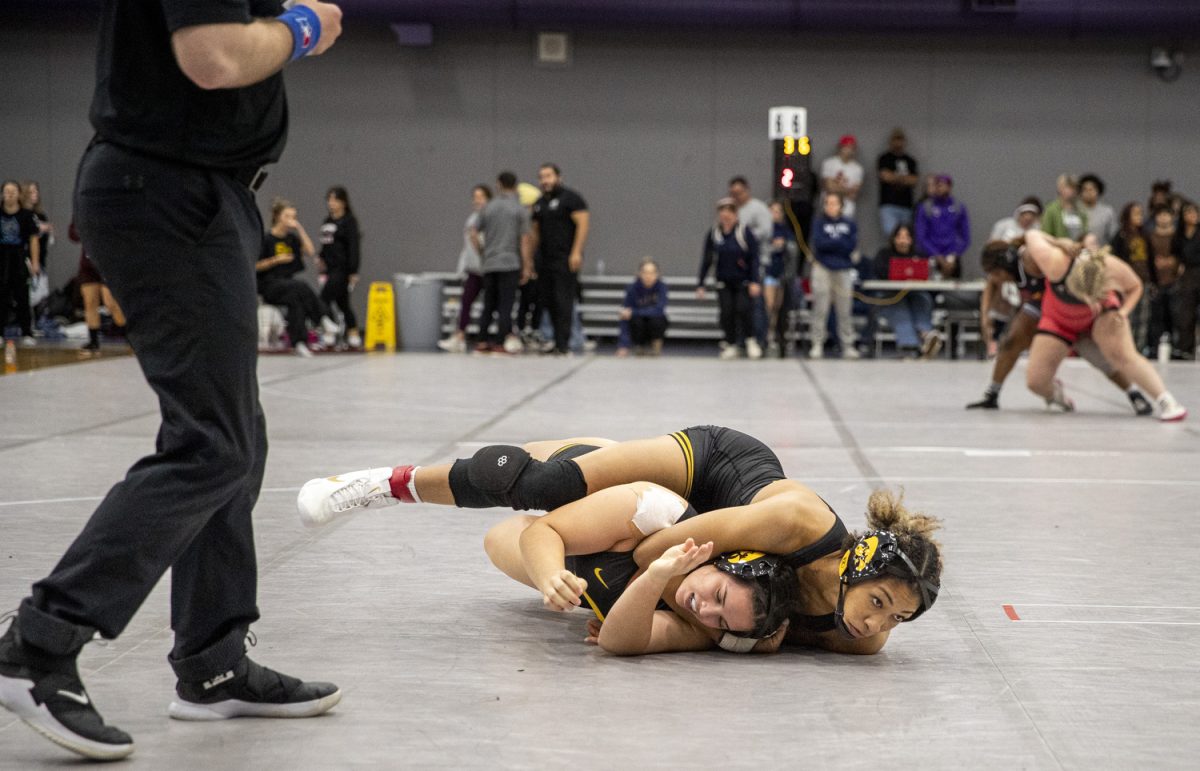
column 890, row 216
column 546, row 329
column 910, row 318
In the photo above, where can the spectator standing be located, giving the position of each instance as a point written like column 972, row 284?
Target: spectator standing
column 911, row 314
column 1165, row 270
column 755, row 215
column 843, row 174
column 897, row 182
column 1064, row 217
column 1132, row 246
column 285, row 244
column 18, row 238
column 31, row 198
column 560, row 230
column 169, row 217
column 779, row 275
column 943, row 228
column 1187, row 247
column 1027, row 215
column 834, row 241
column 341, row 256
column 470, row 267
column 501, row 236
column 1101, row 219
column 734, row 249
column 643, row 317
column 93, row 290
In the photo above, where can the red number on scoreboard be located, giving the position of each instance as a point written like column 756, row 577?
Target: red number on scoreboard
column 785, row 179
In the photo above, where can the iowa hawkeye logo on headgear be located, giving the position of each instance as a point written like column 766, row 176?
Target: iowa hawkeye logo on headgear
column 878, row 553
column 747, row 564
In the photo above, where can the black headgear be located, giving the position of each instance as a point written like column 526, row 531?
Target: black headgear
column 876, row 554
column 760, row 568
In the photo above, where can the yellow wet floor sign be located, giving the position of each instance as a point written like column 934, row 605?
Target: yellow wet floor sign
column 381, row 317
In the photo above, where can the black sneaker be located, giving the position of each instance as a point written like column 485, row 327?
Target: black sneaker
column 990, row 401
column 252, row 690
column 1141, row 405
column 47, row 694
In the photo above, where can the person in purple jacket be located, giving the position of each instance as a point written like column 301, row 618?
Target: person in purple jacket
column 834, row 241
column 942, row 228
column 644, row 312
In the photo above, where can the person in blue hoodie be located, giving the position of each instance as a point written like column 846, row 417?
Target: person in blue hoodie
column 734, row 249
column 834, row 240
column 644, row 312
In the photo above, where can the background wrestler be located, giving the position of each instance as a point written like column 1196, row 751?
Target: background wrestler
column 583, row 553
column 1002, row 263
column 733, row 480
column 1088, row 290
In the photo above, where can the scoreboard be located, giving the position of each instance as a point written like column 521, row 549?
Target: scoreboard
column 792, row 154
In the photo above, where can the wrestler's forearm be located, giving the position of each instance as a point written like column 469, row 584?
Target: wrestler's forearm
column 629, row 626
column 542, row 552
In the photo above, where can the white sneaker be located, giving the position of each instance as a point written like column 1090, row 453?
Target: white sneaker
column 354, row 340
column 302, row 350
column 323, row 500
column 329, row 331
column 453, row 345
column 512, row 344
column 753, row 349
column 851, row 353
column 1169, row 410
column 816, row 351
column 729, row 353
column 28, row 341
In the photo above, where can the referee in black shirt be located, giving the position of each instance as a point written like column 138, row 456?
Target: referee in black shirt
column 560, row 231
column 189, row 106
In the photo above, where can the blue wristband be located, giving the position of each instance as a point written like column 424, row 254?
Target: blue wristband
column 306, row 29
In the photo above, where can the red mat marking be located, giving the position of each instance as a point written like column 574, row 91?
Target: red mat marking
column 1011, row 613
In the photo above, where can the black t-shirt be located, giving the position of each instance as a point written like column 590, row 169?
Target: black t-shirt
column 556, row 229
column 273, row 245
column 896, row 195
column 15, row 232
column 144, row 101
column 339, row 244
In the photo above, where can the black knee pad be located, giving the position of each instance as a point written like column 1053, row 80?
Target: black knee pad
column 504, row 475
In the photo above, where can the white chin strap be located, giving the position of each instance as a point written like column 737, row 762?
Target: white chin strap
column 735, row 644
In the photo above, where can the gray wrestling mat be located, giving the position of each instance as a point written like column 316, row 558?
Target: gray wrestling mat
column 1066, row 635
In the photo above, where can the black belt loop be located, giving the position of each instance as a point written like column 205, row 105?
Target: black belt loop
column 251, row 176
column 259, row 178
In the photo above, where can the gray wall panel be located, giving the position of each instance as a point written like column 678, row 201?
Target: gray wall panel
column 649, row 127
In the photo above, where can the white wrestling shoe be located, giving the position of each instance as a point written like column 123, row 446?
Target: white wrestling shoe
column 1060, row 402
column 323, row 500
column 1169, row 410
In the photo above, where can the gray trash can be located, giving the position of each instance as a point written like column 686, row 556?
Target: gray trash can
column 418, row 311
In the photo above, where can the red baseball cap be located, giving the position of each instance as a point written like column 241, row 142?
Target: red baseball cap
column 847, row 139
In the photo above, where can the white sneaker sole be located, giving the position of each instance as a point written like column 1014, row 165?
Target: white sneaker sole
column 15, row 696
column 231, row 708
column 312, row 503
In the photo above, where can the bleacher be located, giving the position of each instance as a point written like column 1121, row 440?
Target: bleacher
column 693, row 318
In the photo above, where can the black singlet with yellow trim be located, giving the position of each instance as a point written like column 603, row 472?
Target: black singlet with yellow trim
column 724, row 467
column 830, row 543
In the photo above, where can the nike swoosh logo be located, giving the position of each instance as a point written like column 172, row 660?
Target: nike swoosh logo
column 598, row 578
column 80, row 698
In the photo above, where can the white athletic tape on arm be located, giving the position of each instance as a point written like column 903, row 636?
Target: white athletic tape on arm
column 657, row 509
column 735, row 644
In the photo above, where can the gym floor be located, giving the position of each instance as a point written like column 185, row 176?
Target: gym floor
column 1066, row 635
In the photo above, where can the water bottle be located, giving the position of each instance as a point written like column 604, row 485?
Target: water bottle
column 1164, row 348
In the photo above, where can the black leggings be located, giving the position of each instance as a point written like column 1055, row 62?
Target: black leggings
column 737, row 317
column 644, row 330
column 337, row 292
column 301, row 302
column 499, row 292
column 14, row 288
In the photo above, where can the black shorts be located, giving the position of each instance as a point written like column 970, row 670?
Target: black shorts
column 725, row 467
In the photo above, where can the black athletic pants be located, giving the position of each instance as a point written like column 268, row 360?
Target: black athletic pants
column 499, row 293
column 737, row 313
column 177, row 247
column 301, row 302
column 644, row 330
column 558, row 290
column 14, row 290
column 337, row 292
